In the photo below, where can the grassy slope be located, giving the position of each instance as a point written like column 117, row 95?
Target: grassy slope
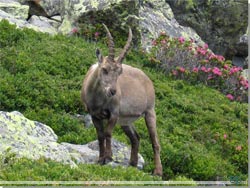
column 41, row 77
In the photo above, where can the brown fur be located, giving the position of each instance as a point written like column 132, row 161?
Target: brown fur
column 120, row 94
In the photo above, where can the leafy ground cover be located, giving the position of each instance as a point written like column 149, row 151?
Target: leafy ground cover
column 203, row 134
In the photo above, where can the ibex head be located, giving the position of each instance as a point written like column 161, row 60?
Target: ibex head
column 110, row 67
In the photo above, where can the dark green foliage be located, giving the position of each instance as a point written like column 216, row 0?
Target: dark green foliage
column 41, row 76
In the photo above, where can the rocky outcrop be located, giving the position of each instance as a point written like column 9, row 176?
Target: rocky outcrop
column 14, row 8
column 17, row 14
column 146, row 18
column 221, row 23
column 33, row 140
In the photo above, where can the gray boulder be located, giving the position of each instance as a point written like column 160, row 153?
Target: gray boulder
column 33, row 140
column 14, row 8
column 44, row 24
column 16, row 14
column 156, row 16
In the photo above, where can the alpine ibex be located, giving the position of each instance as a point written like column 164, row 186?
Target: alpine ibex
column 120, row 94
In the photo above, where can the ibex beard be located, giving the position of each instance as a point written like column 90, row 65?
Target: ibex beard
column 120, row 94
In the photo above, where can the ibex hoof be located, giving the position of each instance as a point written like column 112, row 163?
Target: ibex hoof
column 133, row 163
column 157, row 172
column 105, row 160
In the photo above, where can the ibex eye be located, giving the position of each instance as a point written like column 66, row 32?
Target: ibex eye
column 104, row 71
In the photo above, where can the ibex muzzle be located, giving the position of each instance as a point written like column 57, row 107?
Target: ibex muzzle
column 120, row 94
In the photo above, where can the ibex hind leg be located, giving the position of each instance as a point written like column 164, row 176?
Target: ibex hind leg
column 150, row 119
column 134, row 140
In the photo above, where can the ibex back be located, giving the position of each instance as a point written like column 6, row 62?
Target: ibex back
column 120, row 94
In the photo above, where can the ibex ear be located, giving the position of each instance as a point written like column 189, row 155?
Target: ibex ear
column 99, row 56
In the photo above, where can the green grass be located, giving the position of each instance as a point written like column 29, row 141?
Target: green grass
column 41, row 76
column 44, row 170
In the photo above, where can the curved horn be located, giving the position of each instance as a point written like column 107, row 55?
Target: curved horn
column 111, row 44
column 126, row 47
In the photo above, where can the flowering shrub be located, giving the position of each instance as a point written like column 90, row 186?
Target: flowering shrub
column 183, row 59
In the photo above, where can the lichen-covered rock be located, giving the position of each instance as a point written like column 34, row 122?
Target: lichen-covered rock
column 156, row 16
column 20, row 23
column 146, row 18
column 14, row 8
column 89, row 153
column 44, row 24
column 219, row 22
column 33, row 140
column 30, row 139
column 52, row 7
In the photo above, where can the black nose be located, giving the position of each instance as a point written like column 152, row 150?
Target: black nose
column 113, row 92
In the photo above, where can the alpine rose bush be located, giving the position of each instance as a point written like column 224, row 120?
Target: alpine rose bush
column 183, row 59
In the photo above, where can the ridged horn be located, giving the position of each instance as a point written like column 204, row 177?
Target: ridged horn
column 111, row 44
column 126, row 47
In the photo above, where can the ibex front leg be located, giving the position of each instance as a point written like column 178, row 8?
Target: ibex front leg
column 101, row 138
column 108, row 135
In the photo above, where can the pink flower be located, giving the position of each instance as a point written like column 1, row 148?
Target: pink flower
column 181, row 69
column 210, row 77
column 238, row 98
column 195, row 69
column 163, row 33
column 204, row 69
column 238, row 148
column 217, row 71
column 74, row 30
column 163, row 41
column 230, row 97
column 181, row 39
column 246, row 86
column 211, row 56
column 220, row 58
column 154, row 43
column 225, row 136
column 205, row 46
column 190, row 48
column 174, row 72
column 234, row 70
column 97, row 34
column 201, row 51
column 226, row 67
column 244, row 82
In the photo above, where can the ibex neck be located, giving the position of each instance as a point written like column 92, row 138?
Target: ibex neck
column 96, row 92
column 94, row 82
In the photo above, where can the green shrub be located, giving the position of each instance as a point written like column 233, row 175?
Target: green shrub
column 197, row 64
